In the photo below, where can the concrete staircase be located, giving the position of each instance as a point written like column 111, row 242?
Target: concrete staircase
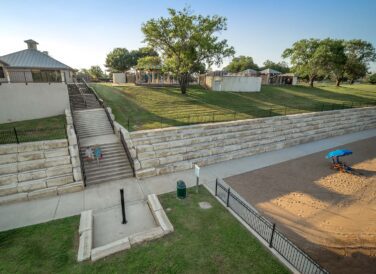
column 168, row 150
column 94, row 128
column 113, row 166
column 36, row 169
column 92, row 122
column 81, row 97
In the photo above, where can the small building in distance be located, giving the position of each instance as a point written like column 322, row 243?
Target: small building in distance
column 274, row 77
column 32, row 85
column 222, row 81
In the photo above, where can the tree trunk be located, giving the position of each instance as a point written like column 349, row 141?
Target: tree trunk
column 352, row 81
column 338, row 82
column 183, row 81
column 311, row 79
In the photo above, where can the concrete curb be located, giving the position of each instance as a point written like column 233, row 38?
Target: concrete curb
column 85, row 250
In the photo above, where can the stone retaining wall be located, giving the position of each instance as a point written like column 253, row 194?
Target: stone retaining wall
column 39, row 169
column 173, row 149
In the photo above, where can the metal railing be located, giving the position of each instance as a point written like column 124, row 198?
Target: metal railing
column 20, row 135
column 268, row 231
column 83, row 173
column 122, row 139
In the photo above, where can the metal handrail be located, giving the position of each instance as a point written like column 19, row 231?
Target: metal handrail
column 122, row 139
column 83, row 173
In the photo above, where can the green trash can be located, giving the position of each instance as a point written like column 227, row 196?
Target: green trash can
column 181, row 189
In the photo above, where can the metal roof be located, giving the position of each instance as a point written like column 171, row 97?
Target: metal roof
column 270, row 71
column 32, row 58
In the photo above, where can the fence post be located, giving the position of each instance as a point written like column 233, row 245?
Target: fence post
column 271, row 236
column 228, row 197
column 322, row 107
column 213, row 117
column 216, row 186
column 270, row 112
column 15, row 133
column 285, row 111
column 122, row 206
column 128, row 123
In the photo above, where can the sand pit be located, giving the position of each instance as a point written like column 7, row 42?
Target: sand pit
column 330, row 215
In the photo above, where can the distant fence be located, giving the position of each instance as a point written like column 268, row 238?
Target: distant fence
column 222, row 116
column 21, row 135
column 267, row 230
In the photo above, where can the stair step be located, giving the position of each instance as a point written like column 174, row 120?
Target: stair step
column 108, row 178
column 117, row 169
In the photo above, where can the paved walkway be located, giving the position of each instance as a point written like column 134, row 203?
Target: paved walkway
column 104, row 196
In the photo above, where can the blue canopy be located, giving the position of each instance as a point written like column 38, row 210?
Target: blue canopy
column 338, row 152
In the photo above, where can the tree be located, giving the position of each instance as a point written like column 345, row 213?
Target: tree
column 96, row 73
column 241, row 63
column 359, row 53
column 372, row 78
column 119, row 60
column 333, row 58
column 186, row 41
column 280, row 66
column 148, row 62
column 305, row 59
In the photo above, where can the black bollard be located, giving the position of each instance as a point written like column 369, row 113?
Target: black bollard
column 122, row 205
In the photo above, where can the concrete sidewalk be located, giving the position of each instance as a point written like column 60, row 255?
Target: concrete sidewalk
column 104, row 196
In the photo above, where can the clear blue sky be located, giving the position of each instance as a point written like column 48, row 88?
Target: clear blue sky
column 81, row 33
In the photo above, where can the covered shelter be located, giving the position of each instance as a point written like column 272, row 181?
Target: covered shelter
column 32, row 65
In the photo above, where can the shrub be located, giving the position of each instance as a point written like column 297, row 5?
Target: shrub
column 372, row 78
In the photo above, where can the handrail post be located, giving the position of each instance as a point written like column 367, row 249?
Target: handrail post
column 271, row 236
column 15, row 133
column 228, row 197
column 122, row 206
column 216, row 186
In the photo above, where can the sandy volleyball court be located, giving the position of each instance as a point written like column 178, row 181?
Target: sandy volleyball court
column 330, row 215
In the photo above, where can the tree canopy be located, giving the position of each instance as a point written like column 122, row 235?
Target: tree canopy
column 96, row 73
column 280, row 66
column 186, row 41
column 149, row 62
column 335, row 58
column 241, row 63
column 120, row 59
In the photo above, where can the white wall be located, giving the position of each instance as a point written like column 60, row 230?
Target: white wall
column 19, row 101
column 237, row 83
column 118, row 78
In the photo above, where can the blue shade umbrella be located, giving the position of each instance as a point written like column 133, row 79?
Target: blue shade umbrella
column 338, row 153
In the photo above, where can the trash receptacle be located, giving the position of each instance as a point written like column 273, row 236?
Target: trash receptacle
column 181, row 189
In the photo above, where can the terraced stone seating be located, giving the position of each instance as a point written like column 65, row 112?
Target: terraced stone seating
column 36, row 169
column 168, row 150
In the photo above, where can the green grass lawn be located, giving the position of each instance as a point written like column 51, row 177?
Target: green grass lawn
column 204, row 241
column 33, row 130
column 148, row 108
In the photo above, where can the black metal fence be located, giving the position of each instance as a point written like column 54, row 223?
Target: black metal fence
column 21, row 135
column 267, row 231
column 133, row 123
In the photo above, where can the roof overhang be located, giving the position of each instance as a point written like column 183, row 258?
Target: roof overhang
column 3, row 63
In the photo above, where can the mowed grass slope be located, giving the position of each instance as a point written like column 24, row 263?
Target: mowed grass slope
column 204, row 241
column 34, row 130
column 147, row 108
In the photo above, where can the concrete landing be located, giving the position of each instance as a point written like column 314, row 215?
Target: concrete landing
column 108, row 225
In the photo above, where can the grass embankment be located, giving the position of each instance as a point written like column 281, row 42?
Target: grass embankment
column 204, row 241
column 33, row 130
column 148, row 108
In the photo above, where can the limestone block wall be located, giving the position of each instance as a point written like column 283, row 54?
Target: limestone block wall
column 38, row 169
column 173, row 149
